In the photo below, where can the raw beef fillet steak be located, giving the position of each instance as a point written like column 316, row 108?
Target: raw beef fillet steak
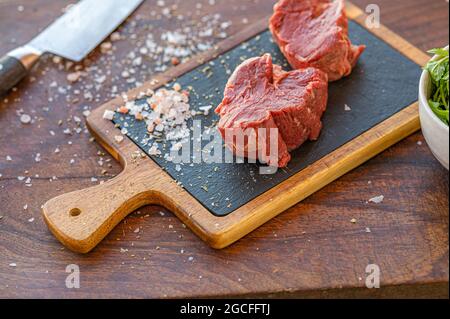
column 260, row 96
column 315, row 33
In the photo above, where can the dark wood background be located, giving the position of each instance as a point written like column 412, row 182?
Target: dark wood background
column 311, row 250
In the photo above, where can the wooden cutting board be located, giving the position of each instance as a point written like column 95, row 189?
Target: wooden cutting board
column 367, row 112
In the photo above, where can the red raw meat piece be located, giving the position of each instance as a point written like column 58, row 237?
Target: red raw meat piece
column 315, row 33
column 262, row 95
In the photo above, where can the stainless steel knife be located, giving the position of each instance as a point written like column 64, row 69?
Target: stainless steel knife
column 72, row 36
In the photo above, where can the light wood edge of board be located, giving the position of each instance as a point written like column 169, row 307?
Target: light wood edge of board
column 219, row 232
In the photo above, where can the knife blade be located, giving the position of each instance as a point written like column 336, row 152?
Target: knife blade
column 72, row 36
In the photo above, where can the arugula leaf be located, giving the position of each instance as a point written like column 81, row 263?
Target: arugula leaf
column 442, row 114
column 439, row 51
column 439, row 70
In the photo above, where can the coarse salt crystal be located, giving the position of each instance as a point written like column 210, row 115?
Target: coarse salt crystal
column 137, row 61
column 105, row 47
column 159, row 127
column 115, row 36
column 73, row 77
column 57, row 59
column 119, row 138
column 100, row 79
column 108, row 115
column 225, row 25
column 166, row 11
column 377, row 199
column 154, row 150
column 143, row 50
column 205, row 109
column 25, row 119
column 86, row 113
column 177, row 87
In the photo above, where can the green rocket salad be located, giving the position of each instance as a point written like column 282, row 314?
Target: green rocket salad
column 438, row 70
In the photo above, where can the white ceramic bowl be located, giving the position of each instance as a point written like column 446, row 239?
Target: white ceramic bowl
column 435, row 131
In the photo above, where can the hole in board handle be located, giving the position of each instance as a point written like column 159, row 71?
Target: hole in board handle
column 74, row 212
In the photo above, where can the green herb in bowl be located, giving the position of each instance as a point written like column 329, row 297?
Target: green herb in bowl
column 438, row 70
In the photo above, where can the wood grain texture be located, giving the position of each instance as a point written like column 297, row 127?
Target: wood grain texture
column 81, row 219
column 99, row 209
column 310, row 250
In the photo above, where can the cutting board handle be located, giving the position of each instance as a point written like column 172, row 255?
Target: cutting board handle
column 81, row 219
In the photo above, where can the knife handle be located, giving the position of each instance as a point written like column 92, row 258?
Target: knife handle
column 15, row 66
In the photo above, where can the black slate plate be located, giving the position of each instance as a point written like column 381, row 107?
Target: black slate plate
column 383, row 83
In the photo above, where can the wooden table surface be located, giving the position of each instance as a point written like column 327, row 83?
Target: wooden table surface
column 311, row 250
